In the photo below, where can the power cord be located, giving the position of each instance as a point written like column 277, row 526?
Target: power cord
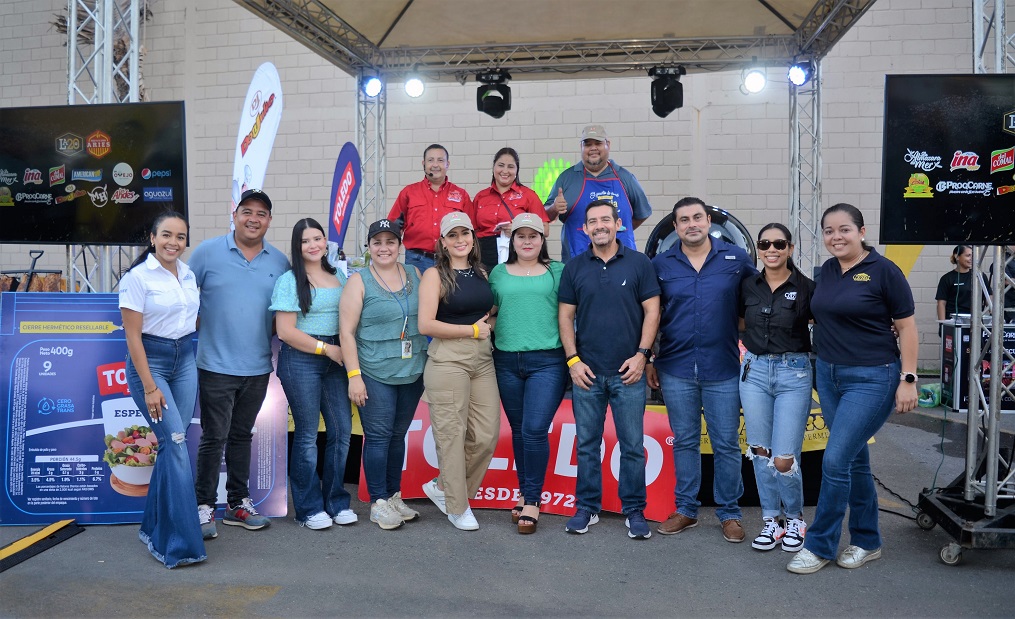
column 899, row 497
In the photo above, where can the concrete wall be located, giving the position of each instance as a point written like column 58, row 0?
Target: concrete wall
column 725, row 147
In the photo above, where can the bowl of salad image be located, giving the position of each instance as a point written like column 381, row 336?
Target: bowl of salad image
column 131, row 454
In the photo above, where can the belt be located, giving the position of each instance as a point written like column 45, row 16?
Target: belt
column 426, row 254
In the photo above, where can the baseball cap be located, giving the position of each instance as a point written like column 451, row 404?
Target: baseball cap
column 527, row 220
column 595, row 132
column 255, row 194
column 455, row 220
column 385, row 225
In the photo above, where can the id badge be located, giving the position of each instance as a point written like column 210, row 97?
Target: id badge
column 407, row 349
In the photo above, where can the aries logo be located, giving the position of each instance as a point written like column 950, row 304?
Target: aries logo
column 861, row 277
column 98, row 145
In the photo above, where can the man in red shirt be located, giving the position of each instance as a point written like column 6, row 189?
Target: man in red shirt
column 422, row 205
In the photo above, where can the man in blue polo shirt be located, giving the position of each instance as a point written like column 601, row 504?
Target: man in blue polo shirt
column 698, row 363
column 597, row 177
column 613, row 293
column 236, row 274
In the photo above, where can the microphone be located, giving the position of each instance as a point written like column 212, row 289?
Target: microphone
column 429, row 174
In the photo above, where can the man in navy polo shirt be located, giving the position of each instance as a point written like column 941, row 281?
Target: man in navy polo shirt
column 612, row 291
column 698, row 363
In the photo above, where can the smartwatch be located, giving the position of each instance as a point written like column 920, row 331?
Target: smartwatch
column 646, row 351
column 909, row 377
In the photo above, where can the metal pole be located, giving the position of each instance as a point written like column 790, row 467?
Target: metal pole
column 996, row 378
column 972, row 379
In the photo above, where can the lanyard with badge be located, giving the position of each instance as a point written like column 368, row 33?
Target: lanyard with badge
column 403, row 338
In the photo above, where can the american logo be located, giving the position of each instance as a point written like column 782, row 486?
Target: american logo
column 124, row 196
column 158, row 194
column 7, row 177
column 69, row 144
column 965, row 160
column 1001, row 160
column 57, row 175
column 918, row 187
column 32, row 177
column 92, row 176
column 98, row 145
column 250, row 137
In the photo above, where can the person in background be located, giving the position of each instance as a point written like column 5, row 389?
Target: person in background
column 420, row 206
column 384, row 355
column 775, row 385
column 528, row 356
column 159, row 303
column 310, row 368
column 461, row 387
column 497, row 205
column 955, row 288
column 861, row 376
column 236, row 273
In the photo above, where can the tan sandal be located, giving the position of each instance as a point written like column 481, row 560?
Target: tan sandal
column 528, row 524
column 516, row 513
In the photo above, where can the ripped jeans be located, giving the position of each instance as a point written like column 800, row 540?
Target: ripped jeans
column 776, row 398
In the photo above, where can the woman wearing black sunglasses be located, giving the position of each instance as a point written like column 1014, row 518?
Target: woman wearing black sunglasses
column 775, row 385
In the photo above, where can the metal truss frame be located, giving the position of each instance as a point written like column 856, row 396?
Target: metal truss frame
column 371, row 140
column 805, row 169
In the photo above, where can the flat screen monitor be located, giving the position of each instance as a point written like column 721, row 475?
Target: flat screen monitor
column 90, row 174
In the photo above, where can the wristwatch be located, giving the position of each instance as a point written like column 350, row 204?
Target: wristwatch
column 909, row 377
column 646, row 351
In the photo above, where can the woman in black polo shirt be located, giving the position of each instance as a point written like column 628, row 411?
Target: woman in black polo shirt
column 954, row 290
column 858, row 297
column 775, row 385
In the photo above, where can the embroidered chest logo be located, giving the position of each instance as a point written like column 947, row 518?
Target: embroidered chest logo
column 861, row 277
column 791, row 296
column 454, row 196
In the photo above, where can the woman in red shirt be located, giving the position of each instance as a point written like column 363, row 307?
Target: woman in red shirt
column 499, row 203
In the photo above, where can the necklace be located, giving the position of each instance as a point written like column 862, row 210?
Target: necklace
column 465, row 272
column 863, row 254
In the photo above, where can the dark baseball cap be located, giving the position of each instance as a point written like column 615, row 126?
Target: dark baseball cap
column 385, row 225
column 255, row 194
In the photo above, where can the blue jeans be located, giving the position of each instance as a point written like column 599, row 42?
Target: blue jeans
column 170, row 526
column 531, row 385
column 386, row 416
column 628, row 405
column 776, row 397
column 315, row 385
column 685, row 400
column 855, row 401
column 418, row 260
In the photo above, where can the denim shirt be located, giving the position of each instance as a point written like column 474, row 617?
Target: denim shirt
column 698, row 323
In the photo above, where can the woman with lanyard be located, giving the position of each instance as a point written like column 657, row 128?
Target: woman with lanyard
column 461, row 387
column 310, row 369
column 497, row 205
column 955, row 288
column 859, row 296
column 384, row 355
column 159, row 302
column 775, row 385
column 529, row 358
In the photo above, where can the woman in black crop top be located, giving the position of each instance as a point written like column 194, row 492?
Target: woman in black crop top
column 461, row 388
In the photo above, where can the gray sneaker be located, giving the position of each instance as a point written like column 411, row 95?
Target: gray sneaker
column 396, row 503
column 206, row 516
column 244, row 515
column 382, row 513
column 854, row 556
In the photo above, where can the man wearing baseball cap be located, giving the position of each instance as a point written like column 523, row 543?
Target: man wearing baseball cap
column 597, row 177
column 236, row 273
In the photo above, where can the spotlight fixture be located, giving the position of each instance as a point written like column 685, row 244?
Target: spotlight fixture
column 800, row 73
column 494, row 96
column 754, row 81
column 372, row 86
column 414, row 87
column 667, row 91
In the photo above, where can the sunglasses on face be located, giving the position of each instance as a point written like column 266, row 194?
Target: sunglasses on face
column 780, row 244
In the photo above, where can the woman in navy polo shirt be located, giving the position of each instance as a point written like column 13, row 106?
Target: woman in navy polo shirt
column 858, row 297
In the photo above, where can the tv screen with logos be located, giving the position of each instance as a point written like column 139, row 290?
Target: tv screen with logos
column 90, row 174
column 948, row 169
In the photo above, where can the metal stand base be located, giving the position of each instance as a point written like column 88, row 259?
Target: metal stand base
column 966, row 521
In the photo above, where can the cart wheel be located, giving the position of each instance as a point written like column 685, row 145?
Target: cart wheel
column 924, row 521
column 951, row 553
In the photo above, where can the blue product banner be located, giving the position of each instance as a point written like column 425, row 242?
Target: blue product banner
column 68, row 416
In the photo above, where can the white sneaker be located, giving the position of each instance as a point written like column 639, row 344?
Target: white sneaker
column 806, row 562
column 854, row 556
column 384, row 515
column 346, row 516
column 436, row 495
column 770, row 536
column 396, row 503
column 796, row 529
column 465, row 522
column 320, row 520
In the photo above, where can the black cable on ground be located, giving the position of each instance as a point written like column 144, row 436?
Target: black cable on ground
column 899, row 497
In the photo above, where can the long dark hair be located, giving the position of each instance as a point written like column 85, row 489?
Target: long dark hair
column 449, row 283
column 958, row 251
column 150, row 249
column 303, row 285
column 789, row 237
column 507, row 150
column 544, row 255
column 853, row 213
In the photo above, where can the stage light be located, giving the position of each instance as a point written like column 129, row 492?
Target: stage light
column 494, row 96
column 372, row 86
column 414, row 87
column 800, row 73
column 667, row 91
column 754, row 81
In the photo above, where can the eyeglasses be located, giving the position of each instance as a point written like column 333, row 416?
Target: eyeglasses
column 780, row 244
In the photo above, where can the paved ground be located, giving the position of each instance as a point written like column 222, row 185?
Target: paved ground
column 427, row 568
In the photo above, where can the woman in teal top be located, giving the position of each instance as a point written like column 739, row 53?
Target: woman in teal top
column 529, row 359
column 306, row 302
column 385, row 355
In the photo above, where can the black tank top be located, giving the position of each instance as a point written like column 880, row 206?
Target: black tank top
column 469, row 302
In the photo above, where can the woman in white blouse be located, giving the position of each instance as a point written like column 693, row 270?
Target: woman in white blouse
column 159, row 302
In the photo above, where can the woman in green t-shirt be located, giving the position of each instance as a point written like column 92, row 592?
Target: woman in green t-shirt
column 529, row 358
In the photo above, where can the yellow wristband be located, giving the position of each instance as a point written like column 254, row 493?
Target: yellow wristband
column 573, row 360
column 475, row 331
column 352, row 373
column 320, row 348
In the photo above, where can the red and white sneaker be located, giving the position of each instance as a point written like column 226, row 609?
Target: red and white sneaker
column 769, row 536
column 796, row 530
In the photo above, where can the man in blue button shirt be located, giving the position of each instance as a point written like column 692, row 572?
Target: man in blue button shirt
column 698, row 363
